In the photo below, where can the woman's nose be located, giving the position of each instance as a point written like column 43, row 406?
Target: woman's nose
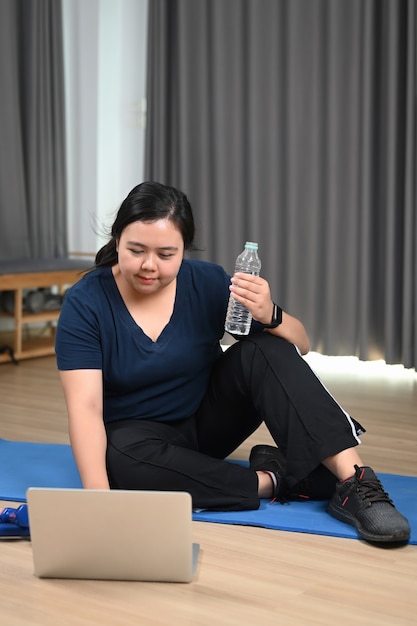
column 149, row 261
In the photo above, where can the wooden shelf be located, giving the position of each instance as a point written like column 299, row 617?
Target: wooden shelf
column 32, row 346
column 27, row 345
column 45, row 316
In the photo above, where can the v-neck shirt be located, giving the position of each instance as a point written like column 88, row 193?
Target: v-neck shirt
column 161, row 380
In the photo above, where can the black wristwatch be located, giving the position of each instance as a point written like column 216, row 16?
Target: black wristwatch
column 276, row 317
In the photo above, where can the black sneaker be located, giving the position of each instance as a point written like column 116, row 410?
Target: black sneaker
column 265, row 458
column 362, row 502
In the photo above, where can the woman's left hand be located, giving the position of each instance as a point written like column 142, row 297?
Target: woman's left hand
column 254, row 293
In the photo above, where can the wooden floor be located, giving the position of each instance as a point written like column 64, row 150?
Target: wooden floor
column 246, row 576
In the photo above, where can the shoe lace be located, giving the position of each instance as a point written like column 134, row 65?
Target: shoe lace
column 372, row 491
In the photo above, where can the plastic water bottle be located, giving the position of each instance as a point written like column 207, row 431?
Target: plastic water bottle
column 238, row 317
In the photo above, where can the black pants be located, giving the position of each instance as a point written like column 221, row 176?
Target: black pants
column 260, row 378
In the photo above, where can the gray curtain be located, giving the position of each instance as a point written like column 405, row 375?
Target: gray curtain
column 293, row 123
column 32, row 130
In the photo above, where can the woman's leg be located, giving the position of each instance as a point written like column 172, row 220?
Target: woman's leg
column 341, row 464
column 264, row 375
column 263, row 378
column 155, row 456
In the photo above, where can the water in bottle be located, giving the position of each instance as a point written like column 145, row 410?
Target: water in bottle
column 238, row 317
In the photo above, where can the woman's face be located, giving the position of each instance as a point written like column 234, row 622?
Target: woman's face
column 150, row 255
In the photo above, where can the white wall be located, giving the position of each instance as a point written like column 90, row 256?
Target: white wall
column 105, row 78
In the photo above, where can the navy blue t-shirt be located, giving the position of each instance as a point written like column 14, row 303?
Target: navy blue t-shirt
column 163, row 380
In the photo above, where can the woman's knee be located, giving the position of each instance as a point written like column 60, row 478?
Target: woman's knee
column 269, row 348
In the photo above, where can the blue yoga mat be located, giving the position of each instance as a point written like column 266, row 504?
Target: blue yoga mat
column 26, row 464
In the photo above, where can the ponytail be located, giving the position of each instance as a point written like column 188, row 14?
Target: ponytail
column 107, row 255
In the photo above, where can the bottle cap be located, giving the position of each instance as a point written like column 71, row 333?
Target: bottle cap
column 251, row 245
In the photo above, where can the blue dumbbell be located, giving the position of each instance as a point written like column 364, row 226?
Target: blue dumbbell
column 14, row 522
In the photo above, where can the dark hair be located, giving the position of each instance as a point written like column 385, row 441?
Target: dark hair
column 148, row 202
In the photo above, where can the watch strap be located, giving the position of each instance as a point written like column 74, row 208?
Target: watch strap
column 276, row 317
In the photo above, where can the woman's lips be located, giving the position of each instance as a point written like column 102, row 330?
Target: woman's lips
column 147, row 280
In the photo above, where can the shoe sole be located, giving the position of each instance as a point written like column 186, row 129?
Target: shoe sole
column 346, row 517
column 260, row 460
column 266, row 453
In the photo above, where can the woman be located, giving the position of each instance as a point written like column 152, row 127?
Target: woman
column 154, row 403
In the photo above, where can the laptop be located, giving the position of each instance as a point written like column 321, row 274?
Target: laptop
column 112, row 535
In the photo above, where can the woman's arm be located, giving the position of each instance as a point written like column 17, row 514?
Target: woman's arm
column 83, row 390
column 254, row 293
